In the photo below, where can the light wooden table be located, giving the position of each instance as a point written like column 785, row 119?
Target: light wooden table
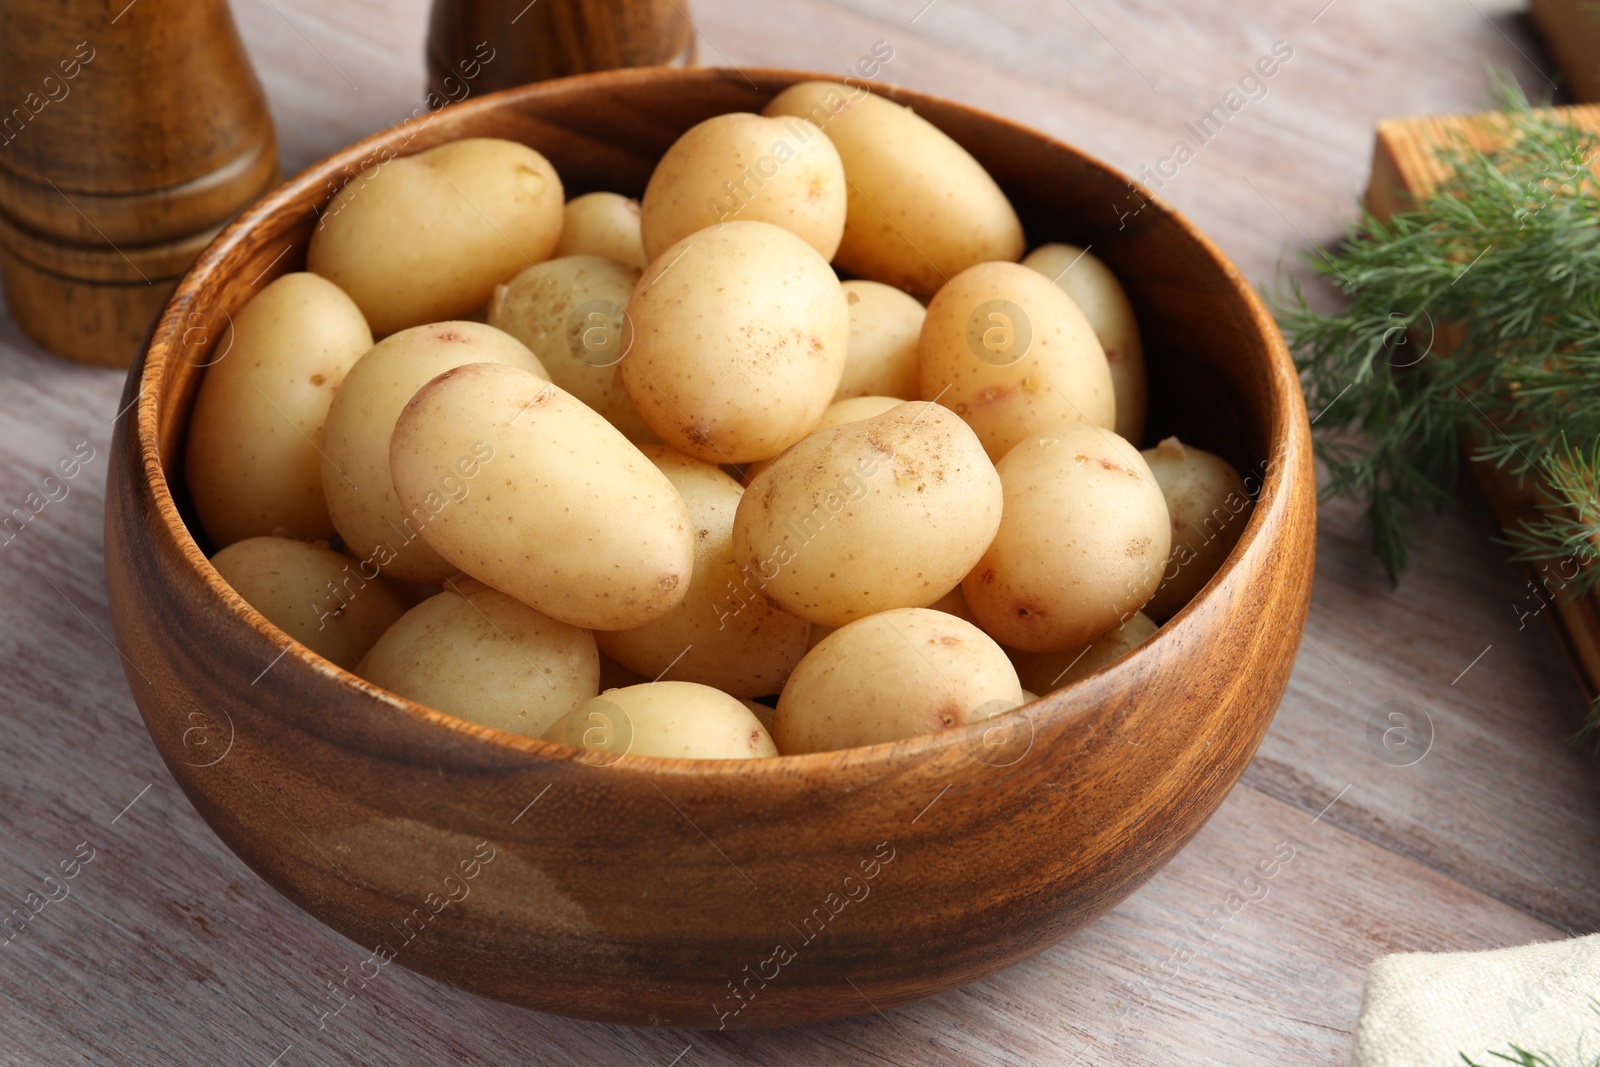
column 169, row 951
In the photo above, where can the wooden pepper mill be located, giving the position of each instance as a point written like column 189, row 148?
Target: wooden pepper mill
column 129, row 134
column 549, row 39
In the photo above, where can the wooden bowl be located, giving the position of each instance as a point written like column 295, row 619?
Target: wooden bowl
column 697, row 893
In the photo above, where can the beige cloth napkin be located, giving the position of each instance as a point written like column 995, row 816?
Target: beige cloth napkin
column 1423, row 1009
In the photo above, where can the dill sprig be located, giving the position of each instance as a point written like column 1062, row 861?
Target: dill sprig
column 1474, row 315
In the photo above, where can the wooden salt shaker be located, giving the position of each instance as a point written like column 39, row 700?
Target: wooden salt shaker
column 129, row 134
column 528, row 42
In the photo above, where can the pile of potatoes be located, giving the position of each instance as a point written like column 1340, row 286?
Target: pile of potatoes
column 648, row 477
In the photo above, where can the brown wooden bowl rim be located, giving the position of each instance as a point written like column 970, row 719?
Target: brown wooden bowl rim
column 165, row 343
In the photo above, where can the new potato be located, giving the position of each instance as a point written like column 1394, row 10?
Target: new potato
column 326, row 601
column 1012, row 354
column 952, row 603
column 920, row 208
column 852, row 409
column 1209, row 507
column 355, row 441
column 566, row 515
column 880, row 513
column 673, row 719
column 1081, row 544
column 881, row 357
column 425, row 238
column 569, row 312
column 739, row 342
column 745, row 167
column 1084, row 276
column 1046, row 672
column 893, row 675
column 724, row 633
column 251, row 462
column 482, row 656
column 603, row 224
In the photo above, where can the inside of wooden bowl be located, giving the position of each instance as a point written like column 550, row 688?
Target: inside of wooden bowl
column 1219, row 375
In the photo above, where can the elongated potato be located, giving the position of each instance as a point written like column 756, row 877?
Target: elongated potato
column 333, row 605
column 740, row 166
column 1084, row 277
column 724, row 633
column 567, row 516
column 480, row 655
column 1013, row 355
column 603, row 224
column 1208, row 505
column 881, row 358
column 569, row 312
column 673, row 719
column 1081, row 544
column 893, row 675
column 739, row 342
column 881, row 513
column 355, row 442
column 1045, row 672
column 251, row 460
column 920, row 209
column 424, row 238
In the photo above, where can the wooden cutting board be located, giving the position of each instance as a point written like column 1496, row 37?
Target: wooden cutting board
column 1406, row 166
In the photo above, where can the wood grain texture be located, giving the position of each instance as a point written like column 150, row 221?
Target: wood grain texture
column 552, row 39
column 174, row 952
column 376, row 800
column 133, row 132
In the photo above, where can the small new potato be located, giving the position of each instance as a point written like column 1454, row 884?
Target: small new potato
column 1099, row 295
column 480, row 655
column 326, row 601
column 603, row 224
column 744, row 167
column 856, row 408
column 852, row 409
column 1208, row 505
column 920, row 208
column 762, row 713
column 881, row 358
column 1013, row 355
column 890, row 676
column 355, row 441
column 724, row 633
column 562, row 513
column 251, row 460
column 739, row 342
column 880, row 513
column 1045, row 672
column 952, row 603
column 425, row 238
column 569, row 312
column 672, row 719
column 1082, row 540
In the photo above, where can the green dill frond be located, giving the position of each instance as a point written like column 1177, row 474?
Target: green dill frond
column 1476, row 313
column 1566, row 535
